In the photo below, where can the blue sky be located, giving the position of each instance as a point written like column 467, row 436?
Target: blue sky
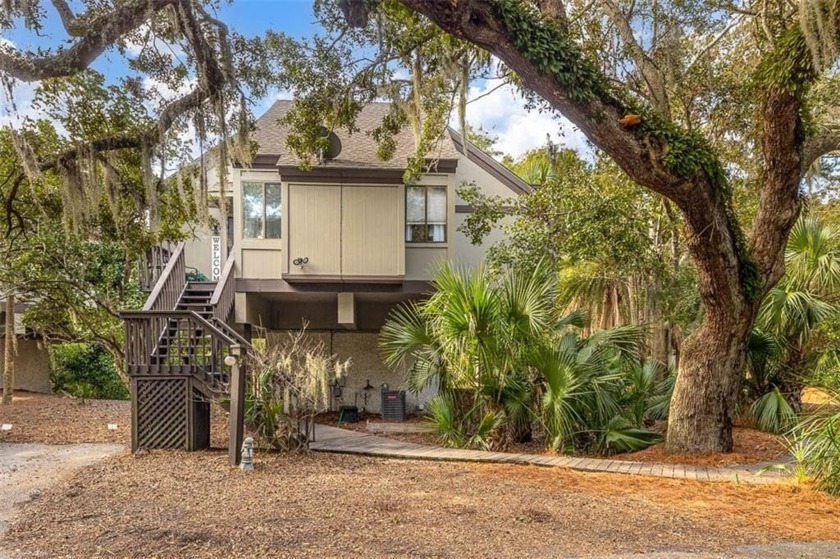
column 501, row 112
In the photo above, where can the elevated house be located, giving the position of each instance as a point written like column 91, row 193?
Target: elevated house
column 335, row 247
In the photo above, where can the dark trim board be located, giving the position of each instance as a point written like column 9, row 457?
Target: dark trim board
column 490, row 165
column 261, row 161
column 246, row 285
column 305, row 278
column 343, row 175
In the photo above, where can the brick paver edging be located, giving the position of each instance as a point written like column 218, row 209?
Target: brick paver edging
column 333, row 439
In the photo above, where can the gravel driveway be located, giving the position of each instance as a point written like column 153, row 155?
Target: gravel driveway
column 26, row 469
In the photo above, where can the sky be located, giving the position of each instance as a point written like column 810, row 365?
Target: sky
column 502, row 112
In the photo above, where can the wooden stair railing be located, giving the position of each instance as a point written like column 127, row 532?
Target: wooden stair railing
column 175, row 350
column 169, row 286
column 223, row 296
column 151, row 265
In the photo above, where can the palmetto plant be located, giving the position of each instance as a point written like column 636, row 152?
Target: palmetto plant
column 503, row 357
column 816, row 447
column 781, row 352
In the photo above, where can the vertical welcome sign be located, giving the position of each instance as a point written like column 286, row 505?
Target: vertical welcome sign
column 215, row 257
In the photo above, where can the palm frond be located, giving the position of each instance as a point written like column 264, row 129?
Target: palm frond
column 772, row 412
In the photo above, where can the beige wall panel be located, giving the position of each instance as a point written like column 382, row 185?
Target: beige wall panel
column 32, row 367
column 372, row 231
column 315, row 229
column 462, row 251
column 422, row 263
column 261, row 264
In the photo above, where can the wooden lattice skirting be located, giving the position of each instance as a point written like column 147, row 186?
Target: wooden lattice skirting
column 169, row 412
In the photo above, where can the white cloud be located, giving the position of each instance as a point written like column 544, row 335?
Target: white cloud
column 19, row 107
column 502, row 112
column 143, row 38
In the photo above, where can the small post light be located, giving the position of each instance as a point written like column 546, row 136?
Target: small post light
column 230, row 360
column 247, row 463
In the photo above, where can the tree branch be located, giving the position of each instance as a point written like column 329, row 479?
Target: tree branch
column 650, row 72
column 68, row 18
column 101, row 32
column 825, row 141
column 553, row 9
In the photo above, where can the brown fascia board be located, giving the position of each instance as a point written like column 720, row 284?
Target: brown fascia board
column 359, row 175
column 248, row 285
column 490, row 165
column 261, row 161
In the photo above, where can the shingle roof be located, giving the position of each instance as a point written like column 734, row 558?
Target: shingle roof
column 357, row 149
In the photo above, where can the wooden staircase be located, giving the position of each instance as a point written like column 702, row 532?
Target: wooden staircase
column 197, row 296
column 176, row 350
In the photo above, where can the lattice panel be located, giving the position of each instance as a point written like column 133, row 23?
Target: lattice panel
column 162, row 413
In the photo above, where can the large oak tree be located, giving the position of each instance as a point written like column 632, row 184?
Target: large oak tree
column 628, row 75
column 639, row 129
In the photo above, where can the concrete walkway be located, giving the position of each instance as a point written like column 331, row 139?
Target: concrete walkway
column 333, row 439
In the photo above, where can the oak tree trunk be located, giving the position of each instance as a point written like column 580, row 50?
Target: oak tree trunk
column 9, row 350
column 705, row 394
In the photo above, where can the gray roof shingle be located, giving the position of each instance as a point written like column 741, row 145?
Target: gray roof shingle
column 357, row 149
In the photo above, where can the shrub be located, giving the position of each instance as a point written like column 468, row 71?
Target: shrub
column 504, row 357
column 290, row 383
column 86, row 371
column 816, row 446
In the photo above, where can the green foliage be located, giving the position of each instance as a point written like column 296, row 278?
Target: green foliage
column 442, row 414
column 791, row 338
column 789, row 67
column 85, row 371
column 816, row 445
column 551, row 50
column 398, row 56
column 771, row 412
column 486, row 212
column 503, row 358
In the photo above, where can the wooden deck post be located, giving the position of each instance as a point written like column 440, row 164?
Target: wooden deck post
column 237, row 406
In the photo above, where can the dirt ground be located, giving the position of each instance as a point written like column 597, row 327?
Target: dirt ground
column 177, row 504
column 56, row 419
column 28, row 468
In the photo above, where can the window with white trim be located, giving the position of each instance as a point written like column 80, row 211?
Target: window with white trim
column 261, row 210
column 425, row 214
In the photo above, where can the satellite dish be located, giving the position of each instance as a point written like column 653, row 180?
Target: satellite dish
column 333, row 145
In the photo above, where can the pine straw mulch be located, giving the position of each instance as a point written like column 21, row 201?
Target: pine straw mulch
column 59, row 419
column 751, row 446
column 168, row 504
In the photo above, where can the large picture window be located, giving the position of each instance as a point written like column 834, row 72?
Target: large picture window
column 260, row 210
column 425, row 214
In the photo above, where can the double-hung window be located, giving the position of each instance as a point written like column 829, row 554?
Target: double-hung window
column 260, row 210
column 425, row 214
